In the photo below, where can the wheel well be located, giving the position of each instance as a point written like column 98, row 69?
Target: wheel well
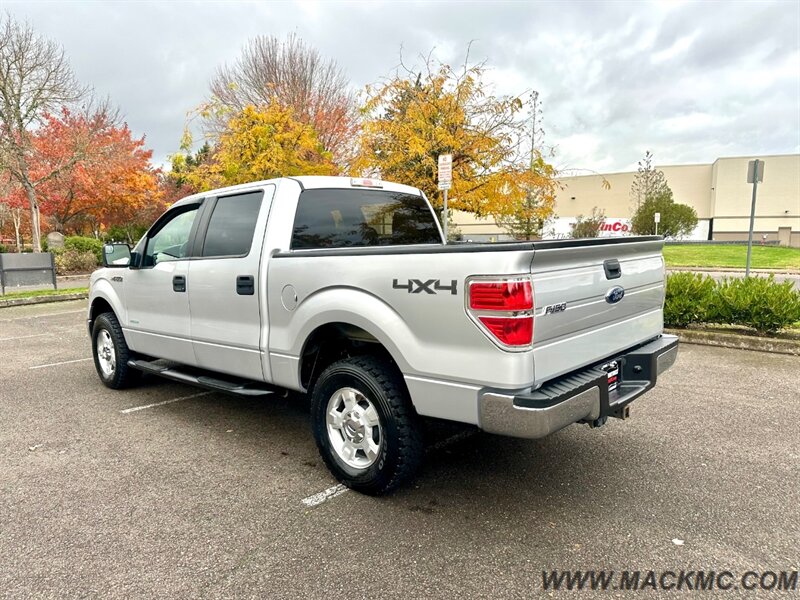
column 332, row 342
column 99, row 306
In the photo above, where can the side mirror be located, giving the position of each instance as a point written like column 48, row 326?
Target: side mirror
column 116, row 255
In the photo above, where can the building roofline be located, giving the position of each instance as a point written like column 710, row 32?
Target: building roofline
column 711, row 164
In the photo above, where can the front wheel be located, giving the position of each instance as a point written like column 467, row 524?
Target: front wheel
column 111, row 353
column 365, row 426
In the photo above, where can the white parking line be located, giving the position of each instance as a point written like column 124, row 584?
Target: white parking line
column 321, row 497
column 66, row 312
column 63, row 362
column 338, row 490
column 23, row 337
column 135, row 408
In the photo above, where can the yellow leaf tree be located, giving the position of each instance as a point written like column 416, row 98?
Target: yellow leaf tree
column 257, row 144
column 412, row 118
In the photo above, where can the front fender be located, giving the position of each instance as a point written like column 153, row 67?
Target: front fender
column 103, row 289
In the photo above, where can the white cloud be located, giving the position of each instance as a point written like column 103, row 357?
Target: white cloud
column 688, row 81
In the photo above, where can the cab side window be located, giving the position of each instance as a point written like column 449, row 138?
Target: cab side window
column 171, row 241
column 232, row 225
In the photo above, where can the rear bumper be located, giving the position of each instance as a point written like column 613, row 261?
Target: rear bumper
column 579, row 396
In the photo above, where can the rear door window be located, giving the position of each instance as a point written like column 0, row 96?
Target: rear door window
column 344, row 218
column 231, row 227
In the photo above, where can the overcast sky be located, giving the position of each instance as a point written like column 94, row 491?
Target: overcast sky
column 689, row 81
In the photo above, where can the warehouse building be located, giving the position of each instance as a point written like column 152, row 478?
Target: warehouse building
column 718, row 191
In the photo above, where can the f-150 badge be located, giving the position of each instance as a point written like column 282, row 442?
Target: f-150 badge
column 430, row 286
column 555, row 308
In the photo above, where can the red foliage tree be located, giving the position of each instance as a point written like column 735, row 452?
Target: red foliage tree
column 113, row 183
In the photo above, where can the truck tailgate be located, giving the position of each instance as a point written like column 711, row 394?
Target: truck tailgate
column 577, row 320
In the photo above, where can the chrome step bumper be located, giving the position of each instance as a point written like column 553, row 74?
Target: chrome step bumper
column 582, row 396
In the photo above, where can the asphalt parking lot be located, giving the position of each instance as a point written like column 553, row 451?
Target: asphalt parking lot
column 169, row 491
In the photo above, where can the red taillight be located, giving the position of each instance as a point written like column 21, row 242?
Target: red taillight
column 501, row 295
column 512, row 331
column 504, row 310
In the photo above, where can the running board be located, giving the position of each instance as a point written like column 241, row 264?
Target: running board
column 197, row 377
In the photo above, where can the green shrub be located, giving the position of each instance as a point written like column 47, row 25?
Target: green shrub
column 758, row 302
column 74, row 261
column 3, row 248
column 85, row 244
column 687, row 299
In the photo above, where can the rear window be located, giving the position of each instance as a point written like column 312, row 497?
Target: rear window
column 230, row 230
column 344, row 218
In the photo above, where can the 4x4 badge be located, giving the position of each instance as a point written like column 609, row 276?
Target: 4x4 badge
column 429, row 286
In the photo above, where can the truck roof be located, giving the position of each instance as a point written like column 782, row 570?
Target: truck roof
column 307, row 182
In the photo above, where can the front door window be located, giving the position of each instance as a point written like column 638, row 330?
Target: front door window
column 171, row 241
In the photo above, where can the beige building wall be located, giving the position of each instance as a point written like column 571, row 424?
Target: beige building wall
column 718, row 191
column 690, row 184
column 471, row 225
column 777, row 198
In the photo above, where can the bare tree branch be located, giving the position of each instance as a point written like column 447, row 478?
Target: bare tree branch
column 35, row 79
column 295, row 75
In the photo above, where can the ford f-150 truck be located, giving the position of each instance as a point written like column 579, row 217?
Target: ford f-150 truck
column 345, row 289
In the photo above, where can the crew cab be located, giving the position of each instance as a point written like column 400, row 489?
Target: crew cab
column 344, row 289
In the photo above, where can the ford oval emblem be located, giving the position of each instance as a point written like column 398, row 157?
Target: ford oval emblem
column 615, row 294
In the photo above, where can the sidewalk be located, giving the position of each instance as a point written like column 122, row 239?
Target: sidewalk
column 64, row 282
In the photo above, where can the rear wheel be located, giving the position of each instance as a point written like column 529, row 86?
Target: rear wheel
column 111, row 353
column 365, row 426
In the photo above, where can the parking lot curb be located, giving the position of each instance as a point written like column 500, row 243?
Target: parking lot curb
column 42, row 299
column 738, row 341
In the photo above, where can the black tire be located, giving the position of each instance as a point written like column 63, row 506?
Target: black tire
column 122, row 375
column 401, row 447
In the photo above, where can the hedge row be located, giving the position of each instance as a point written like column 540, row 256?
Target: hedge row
column 757, row 302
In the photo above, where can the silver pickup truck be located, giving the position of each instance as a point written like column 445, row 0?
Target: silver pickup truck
column 344, row 289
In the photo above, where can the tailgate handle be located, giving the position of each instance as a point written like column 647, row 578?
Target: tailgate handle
column 612, row 268
column 245, row 285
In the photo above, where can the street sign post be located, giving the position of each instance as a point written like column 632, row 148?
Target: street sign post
column 445, row 179
column 657, row 218
column 755, row 175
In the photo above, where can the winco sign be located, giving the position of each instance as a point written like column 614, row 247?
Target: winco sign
column 619, row 226
column 561, row 228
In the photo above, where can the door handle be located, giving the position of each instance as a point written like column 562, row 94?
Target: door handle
column 245, row 285
column 179, row 283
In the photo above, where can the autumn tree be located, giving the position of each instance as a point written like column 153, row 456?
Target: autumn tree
column 35, row 78
column 296, row 76
column 12, row 206
column 110, row 182
column 184, row 163
column 414, row 117
column 257, row 144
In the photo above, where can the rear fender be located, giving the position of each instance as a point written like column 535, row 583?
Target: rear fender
column 337, row 305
